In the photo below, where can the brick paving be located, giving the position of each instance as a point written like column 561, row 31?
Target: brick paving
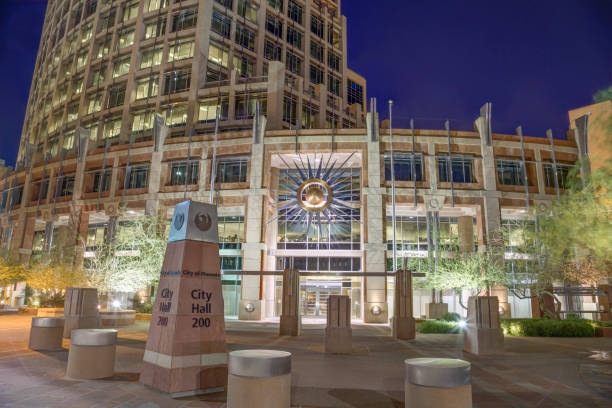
column 532, row 372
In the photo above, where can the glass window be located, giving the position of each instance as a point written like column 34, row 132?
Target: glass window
column 294, row 11
column 98, row 75
column 82, row 59
column 294, row 63
column 274, row 25
column 126, row 37
column 101, row 181
column 403, row 164
column 276, row 4
column 290, row 110
column 157, row 4
column 96, row 234
column 108, row 20
column 151, row 57
column 184, row 20
column 316, row 50
column 333, row 85
column 510, row 172
column 355, row 93
column 178, row 173
column 294, row 38
column 247, row 10
column 94, row 103
column 245, row 37
column 221, row 24
column 66, row 186
column 218, row 54
column 86, row 32
column 246, row 105
column 232, row 171
column 180, row 50
column 68, row 140
column 518, row 235
column 138, row 176
column 38, row 241
column 121, row 66
column 130, row 11
column 208, row 109
column 272, row 51
column 244, row 65
column 333, row 61
column 116, row 95
column 225, row 3
column 147, row 87
column 316, row 26
column 73, row 111
column 563, row 171
column 77, row 85
column 176, row 114
column 104, row 47
column 176, row 81
column 155, row 28
column 231, row 232
column 462, row 169
column 112, row 128
column 316, row 74
column 143, row 121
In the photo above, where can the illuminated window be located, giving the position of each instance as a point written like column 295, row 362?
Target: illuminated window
column 218, row 55
column 151, row 57
column 147, row 87
column 180, row 50
column 143, row 121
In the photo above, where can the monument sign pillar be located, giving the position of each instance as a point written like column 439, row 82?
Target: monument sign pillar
column 186, row 352
column 290, row 321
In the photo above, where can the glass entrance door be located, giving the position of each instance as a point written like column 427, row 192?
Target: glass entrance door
column 314, row 296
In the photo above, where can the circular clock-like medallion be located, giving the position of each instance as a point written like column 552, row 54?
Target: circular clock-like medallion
column 314, row 195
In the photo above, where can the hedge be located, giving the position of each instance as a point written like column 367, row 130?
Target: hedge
column 439, row 326
column 547, row 328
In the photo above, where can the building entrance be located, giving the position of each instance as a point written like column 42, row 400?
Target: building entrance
column 314, row 296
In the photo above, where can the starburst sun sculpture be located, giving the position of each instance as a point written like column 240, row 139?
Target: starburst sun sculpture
column 315, row 195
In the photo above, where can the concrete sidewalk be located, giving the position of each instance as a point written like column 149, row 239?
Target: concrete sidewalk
column 533, row 372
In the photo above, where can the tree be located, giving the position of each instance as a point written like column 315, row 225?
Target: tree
column 603, row 95
column 12, row 270
column 133, row 259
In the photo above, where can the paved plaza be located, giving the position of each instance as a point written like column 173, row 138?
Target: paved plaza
column 533, row 372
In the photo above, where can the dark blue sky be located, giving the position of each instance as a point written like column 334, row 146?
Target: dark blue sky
column 534, row 59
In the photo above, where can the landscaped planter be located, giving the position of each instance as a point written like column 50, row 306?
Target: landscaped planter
column 145, row 317
column 117, row 318
column 50, row 312
column 603, row 332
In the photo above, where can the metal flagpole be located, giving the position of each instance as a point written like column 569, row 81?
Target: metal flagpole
column 187, row 172
column 450, row 163
column 519, row 131
column 413, row 165
column 213, row 170
column 393, row 219
column 549, row 135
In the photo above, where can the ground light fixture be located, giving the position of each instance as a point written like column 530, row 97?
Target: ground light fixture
column 462, row 323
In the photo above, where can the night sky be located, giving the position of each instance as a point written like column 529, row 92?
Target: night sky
column 533, row 59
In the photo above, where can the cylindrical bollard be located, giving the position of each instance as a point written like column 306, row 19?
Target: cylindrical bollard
column 259, row 379
column 437, row 383
column 46, row 333
column 92, row 353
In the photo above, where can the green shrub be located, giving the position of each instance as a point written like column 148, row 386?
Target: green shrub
column 451, row 317
column 438, row 326
column 602, row 324
column 547, row 328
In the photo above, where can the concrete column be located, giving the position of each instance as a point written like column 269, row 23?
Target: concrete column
column 82, row 226
column 403, row 321
column 375, row 289
column 250, row 302
column 276, row 86
column 492, row 211
column 290, row 320
column 466, row 233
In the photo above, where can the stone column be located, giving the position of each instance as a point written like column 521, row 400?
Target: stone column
column 403, row 323
column 82, row 218
column 492, row 211
column 375, row 288
column 338, row 333
column 276, row 86
column 483, row 334
column 250, row 307
column 290, row 321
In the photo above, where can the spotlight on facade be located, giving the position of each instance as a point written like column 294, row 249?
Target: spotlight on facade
column 249, row 307
column 116, row 304
column 376, row 310
column 462, row 323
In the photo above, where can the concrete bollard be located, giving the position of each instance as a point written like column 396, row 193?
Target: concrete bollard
column 46, row 333
column 259, row 379
column 338, row 333
column 437, row 383
column 92, row 354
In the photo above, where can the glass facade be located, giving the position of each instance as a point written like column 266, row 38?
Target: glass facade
column 403, row 165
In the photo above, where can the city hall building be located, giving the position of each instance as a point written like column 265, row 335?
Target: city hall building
column 136, row 106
